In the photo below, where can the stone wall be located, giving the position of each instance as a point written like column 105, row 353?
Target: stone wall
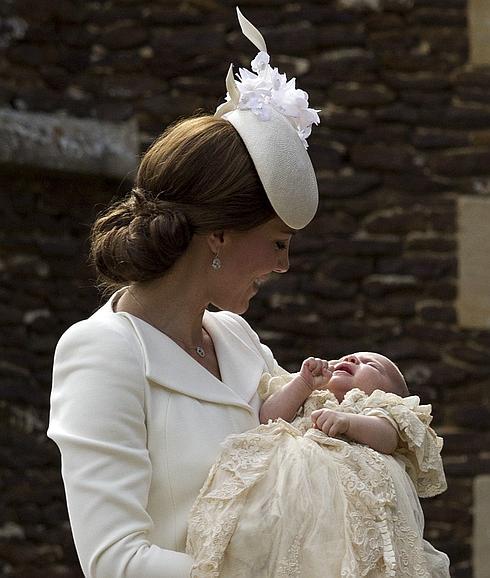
column 405, row 125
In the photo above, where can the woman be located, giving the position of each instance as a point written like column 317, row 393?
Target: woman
column 145, row 389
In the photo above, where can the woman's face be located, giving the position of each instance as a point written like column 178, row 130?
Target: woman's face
column 247, row 259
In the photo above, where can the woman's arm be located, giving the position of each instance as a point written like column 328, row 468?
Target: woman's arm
column 375, row 432
column 98, row 420
column 285, row 403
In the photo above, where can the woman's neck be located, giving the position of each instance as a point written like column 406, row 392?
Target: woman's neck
column 170, row 306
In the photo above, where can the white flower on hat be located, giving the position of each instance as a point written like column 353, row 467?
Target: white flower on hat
column 266, row 88
column 260, row 61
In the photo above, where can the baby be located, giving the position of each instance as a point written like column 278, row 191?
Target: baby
column 366, row 371
column 327, row 485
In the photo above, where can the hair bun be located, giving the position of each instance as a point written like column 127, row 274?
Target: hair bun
column 140, row 240
column 160, row 237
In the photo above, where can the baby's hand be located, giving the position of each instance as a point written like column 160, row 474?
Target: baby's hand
column 315, row 373
column 330, row 422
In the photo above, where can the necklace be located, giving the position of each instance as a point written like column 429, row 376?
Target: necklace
column 198, row 349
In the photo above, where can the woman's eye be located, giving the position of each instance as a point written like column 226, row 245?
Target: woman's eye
column 281, row 245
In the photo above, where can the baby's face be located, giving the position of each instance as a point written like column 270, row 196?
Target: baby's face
column 365, row 370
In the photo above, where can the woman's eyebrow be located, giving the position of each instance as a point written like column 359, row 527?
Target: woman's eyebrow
column 289, row 231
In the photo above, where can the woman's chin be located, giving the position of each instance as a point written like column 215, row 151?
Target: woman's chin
column 239, row 308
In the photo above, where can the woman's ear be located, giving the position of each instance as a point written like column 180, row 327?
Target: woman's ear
column 216, row 240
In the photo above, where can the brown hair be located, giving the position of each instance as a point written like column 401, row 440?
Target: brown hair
column 197, row 177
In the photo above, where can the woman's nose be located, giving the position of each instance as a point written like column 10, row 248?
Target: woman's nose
column 282, row 263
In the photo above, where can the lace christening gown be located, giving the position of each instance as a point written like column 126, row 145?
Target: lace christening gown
column 286, row 500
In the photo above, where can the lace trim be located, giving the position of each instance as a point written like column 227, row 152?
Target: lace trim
column 382, row 540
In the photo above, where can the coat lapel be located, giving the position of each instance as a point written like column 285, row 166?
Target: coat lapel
column 241, row 365
column 170, row 366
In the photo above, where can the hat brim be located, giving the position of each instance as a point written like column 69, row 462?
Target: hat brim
column 282, row 163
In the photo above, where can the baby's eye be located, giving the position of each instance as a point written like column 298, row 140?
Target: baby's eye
column 373, row 365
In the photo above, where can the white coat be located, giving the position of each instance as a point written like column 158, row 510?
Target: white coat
column 139, row 423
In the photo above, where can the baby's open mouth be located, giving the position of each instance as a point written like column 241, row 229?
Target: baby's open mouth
column 344, row 367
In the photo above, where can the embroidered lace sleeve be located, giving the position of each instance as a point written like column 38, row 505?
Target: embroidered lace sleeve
column 272, row 382
column 419, row 446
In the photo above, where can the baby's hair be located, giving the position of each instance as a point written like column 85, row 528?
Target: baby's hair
column 399, row 385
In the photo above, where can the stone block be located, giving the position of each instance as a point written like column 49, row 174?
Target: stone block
column 187, row 41
column 173, row 15
column 111, row 110
column 434, row 16
column 429, row 81
column 478, row 15
column 385, row 21
column 397, row 221
column 406, row 347
column 376, row 286
column 322, row 12
column 426, row 99
column 419, row 58
column 132, row 60
column 444, row 290
column 354, row 94
column 390, row 39
column 31, row 55
column 326, row 156
column 348, row 268
column 123, row 35
column 464, row 442
column 338, row 35
column 338, row 117
column 430, row 242
column 386, row 133
column 393, row 306
column 419, row 183
column 343, row 63
column 481, row 527
column 336, row 223
column 166, row 107
column 472, row 76
column 469, row 94
column 279, row 38
column 427, row 138
column 398, row 112
column 383, row 157
column 68, row 144
column 464, row 117
column 329, row 288
column 426, row 268
column 437, row 313
column 447, row 375
column 364, row 246
column 75, row 61
column 347, row 185
column 461, row 163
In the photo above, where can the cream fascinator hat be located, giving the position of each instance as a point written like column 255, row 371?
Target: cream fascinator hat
column 273, row 119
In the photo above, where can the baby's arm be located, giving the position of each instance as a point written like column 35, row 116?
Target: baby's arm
column 314, row 374
column 375, row 432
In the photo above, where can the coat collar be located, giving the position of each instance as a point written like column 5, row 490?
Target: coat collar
column 167, row 364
